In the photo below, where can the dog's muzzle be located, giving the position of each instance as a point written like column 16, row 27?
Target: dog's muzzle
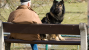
column 57, row 11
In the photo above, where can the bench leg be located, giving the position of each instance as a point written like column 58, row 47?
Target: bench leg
column 7, row 46
column 88, row 42
column 1, row 36
column 83, row 33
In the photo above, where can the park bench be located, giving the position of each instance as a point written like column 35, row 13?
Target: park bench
column 68, row 29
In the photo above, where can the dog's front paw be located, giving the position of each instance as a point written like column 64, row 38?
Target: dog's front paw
column 45, row 39
column 61, row 38
column 57, row 39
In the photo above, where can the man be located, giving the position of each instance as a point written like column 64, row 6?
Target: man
column 25, row 15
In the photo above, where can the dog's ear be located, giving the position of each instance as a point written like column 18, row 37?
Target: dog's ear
column 55, row 1
column 62, row 2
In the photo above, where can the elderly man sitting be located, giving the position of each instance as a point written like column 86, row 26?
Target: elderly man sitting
column 25, row 15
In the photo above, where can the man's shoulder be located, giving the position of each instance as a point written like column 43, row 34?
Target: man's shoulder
column 13, row 11
column 29, row 11
column 24, row 11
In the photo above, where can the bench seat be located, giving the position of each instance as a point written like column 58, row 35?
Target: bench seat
column 68, row 41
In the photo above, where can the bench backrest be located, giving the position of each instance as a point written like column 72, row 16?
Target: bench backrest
column 71, row 29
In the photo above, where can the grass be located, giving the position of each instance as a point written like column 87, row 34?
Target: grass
column 75, row 12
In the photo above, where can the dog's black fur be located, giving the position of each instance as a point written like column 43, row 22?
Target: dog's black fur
column 55, row 10
column 56, row 14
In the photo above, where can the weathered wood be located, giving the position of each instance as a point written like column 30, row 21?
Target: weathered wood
column 42, row 28
column 83, row 33
column 1, row 37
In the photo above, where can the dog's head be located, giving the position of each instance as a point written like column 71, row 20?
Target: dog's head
column 57, row 7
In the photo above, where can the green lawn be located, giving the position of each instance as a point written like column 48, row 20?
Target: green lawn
column 75, row 12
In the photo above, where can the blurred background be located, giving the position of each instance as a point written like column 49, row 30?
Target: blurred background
column 75, row 12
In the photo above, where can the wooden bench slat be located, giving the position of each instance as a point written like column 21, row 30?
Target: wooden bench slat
column 44, row 42
column 68, row 41
column 42, row 28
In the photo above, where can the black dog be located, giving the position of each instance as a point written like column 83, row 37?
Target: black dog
column 55, row 16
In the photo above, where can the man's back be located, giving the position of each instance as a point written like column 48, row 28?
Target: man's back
column 24, row 16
